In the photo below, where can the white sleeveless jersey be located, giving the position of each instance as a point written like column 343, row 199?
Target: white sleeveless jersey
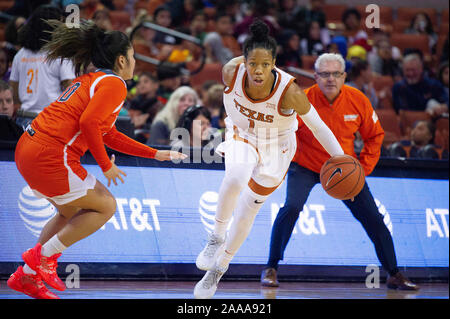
column 258, row 120
column 39, row 81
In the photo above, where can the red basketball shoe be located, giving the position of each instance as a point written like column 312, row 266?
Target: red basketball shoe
column 44, row 266
column 30, row 285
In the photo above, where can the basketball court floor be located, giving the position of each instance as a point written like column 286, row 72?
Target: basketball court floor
column 230, row 290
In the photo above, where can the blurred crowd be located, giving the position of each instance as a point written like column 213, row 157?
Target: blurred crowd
column 400, row 64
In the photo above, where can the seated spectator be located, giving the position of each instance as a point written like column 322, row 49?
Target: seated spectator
column 5, row 69
column 11, row 43
column 214, row 103
column 379, row 35
column 421, row 24
column 382, row 62
column 443, row 76
column 144, row 107
column 313, row 43
column 418, row 92
column 197, row 26
column 259, row 9
column 89, row 7
column 299, row 18
column 166, row 120
column 360, row 77
column 221, row 45
column 195, row 125
column 163, row 17
column 289, row 54
column 9, row 130
column 102, row 19
column 351, row 18
column 420, row 144
column 169, row 77
column 338, row 44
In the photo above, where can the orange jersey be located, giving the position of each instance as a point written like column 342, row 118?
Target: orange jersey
column 83, row 118
column 351, row 112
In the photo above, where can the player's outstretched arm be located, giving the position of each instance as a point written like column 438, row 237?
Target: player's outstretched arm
column 296, row 99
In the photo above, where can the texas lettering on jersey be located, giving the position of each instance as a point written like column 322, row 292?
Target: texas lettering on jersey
column 253, row 115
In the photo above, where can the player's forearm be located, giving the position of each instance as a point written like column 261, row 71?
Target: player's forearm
column 321, row 132
column 122, row 143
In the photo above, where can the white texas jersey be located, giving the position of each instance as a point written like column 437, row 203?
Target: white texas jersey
column 39, row 81
column 258, row 119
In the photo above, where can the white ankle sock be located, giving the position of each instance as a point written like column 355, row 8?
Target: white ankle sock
column 27, row 270
column 52, row 246
column 224, row 260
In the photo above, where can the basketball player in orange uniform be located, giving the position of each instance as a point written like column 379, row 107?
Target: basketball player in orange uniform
column 346, row 111
column 261, row 102
column 48, row 153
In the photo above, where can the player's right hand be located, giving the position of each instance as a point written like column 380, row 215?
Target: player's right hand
column 114, row 172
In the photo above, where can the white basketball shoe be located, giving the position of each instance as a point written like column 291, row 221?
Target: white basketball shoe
column 207, row 257
column 206, row 288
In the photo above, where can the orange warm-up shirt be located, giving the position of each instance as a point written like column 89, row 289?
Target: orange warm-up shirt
column 350, row 112
column 83, row 118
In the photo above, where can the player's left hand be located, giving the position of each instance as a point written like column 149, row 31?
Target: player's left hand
column 169, row 155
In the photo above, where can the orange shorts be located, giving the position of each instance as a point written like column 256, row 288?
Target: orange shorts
column 50, row 170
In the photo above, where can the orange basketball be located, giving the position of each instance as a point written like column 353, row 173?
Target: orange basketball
column 342, row 177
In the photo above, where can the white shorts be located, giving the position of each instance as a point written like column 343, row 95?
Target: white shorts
column 269, row 160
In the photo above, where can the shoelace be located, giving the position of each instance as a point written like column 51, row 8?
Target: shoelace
column 212, row 246
column 212, row 279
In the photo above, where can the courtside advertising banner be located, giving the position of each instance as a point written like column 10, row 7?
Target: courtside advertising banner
column 164, row 215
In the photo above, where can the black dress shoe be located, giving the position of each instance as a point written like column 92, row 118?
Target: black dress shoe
column 398, row 281
column 269, row 277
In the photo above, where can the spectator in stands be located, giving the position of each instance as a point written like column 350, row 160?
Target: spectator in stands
column 89, row 7
column 5, row 69
column 443, row 76
column 163, row 17
column 360, row 77
column 9, row 130
column 102, row 19
column 35, row 82
column 421, row 24
column 221, row 46
column 420, row 145
column 289, row 53
column 144, row 107
column 351, row 18
column 299, row 18
column 197, row 26
column 313, row 43
column 214, row 103
column 258, row 9
column 166, row 120
column 418, row 92
column 195, row 125
column 11, row 43
column 382, row 62
column 169, row 76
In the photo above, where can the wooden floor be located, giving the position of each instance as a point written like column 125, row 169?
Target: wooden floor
column 236, row 290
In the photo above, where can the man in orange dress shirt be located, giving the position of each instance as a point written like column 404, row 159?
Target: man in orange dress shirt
column 346, row 111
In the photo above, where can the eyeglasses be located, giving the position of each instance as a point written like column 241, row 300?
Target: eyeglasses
column 326, row 75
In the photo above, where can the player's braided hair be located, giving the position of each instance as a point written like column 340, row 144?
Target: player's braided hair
column 85, row 44
column 259, row 38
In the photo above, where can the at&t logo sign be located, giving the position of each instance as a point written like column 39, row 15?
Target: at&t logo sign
column 34, row 212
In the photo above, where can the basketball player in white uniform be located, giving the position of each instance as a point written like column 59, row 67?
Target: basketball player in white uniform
column 261, row 102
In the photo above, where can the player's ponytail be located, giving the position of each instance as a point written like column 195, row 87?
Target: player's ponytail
column 259, row 38
column 85, row 44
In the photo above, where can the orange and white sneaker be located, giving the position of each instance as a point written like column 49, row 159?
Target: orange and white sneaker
column 31, row 285
column 44, row 266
